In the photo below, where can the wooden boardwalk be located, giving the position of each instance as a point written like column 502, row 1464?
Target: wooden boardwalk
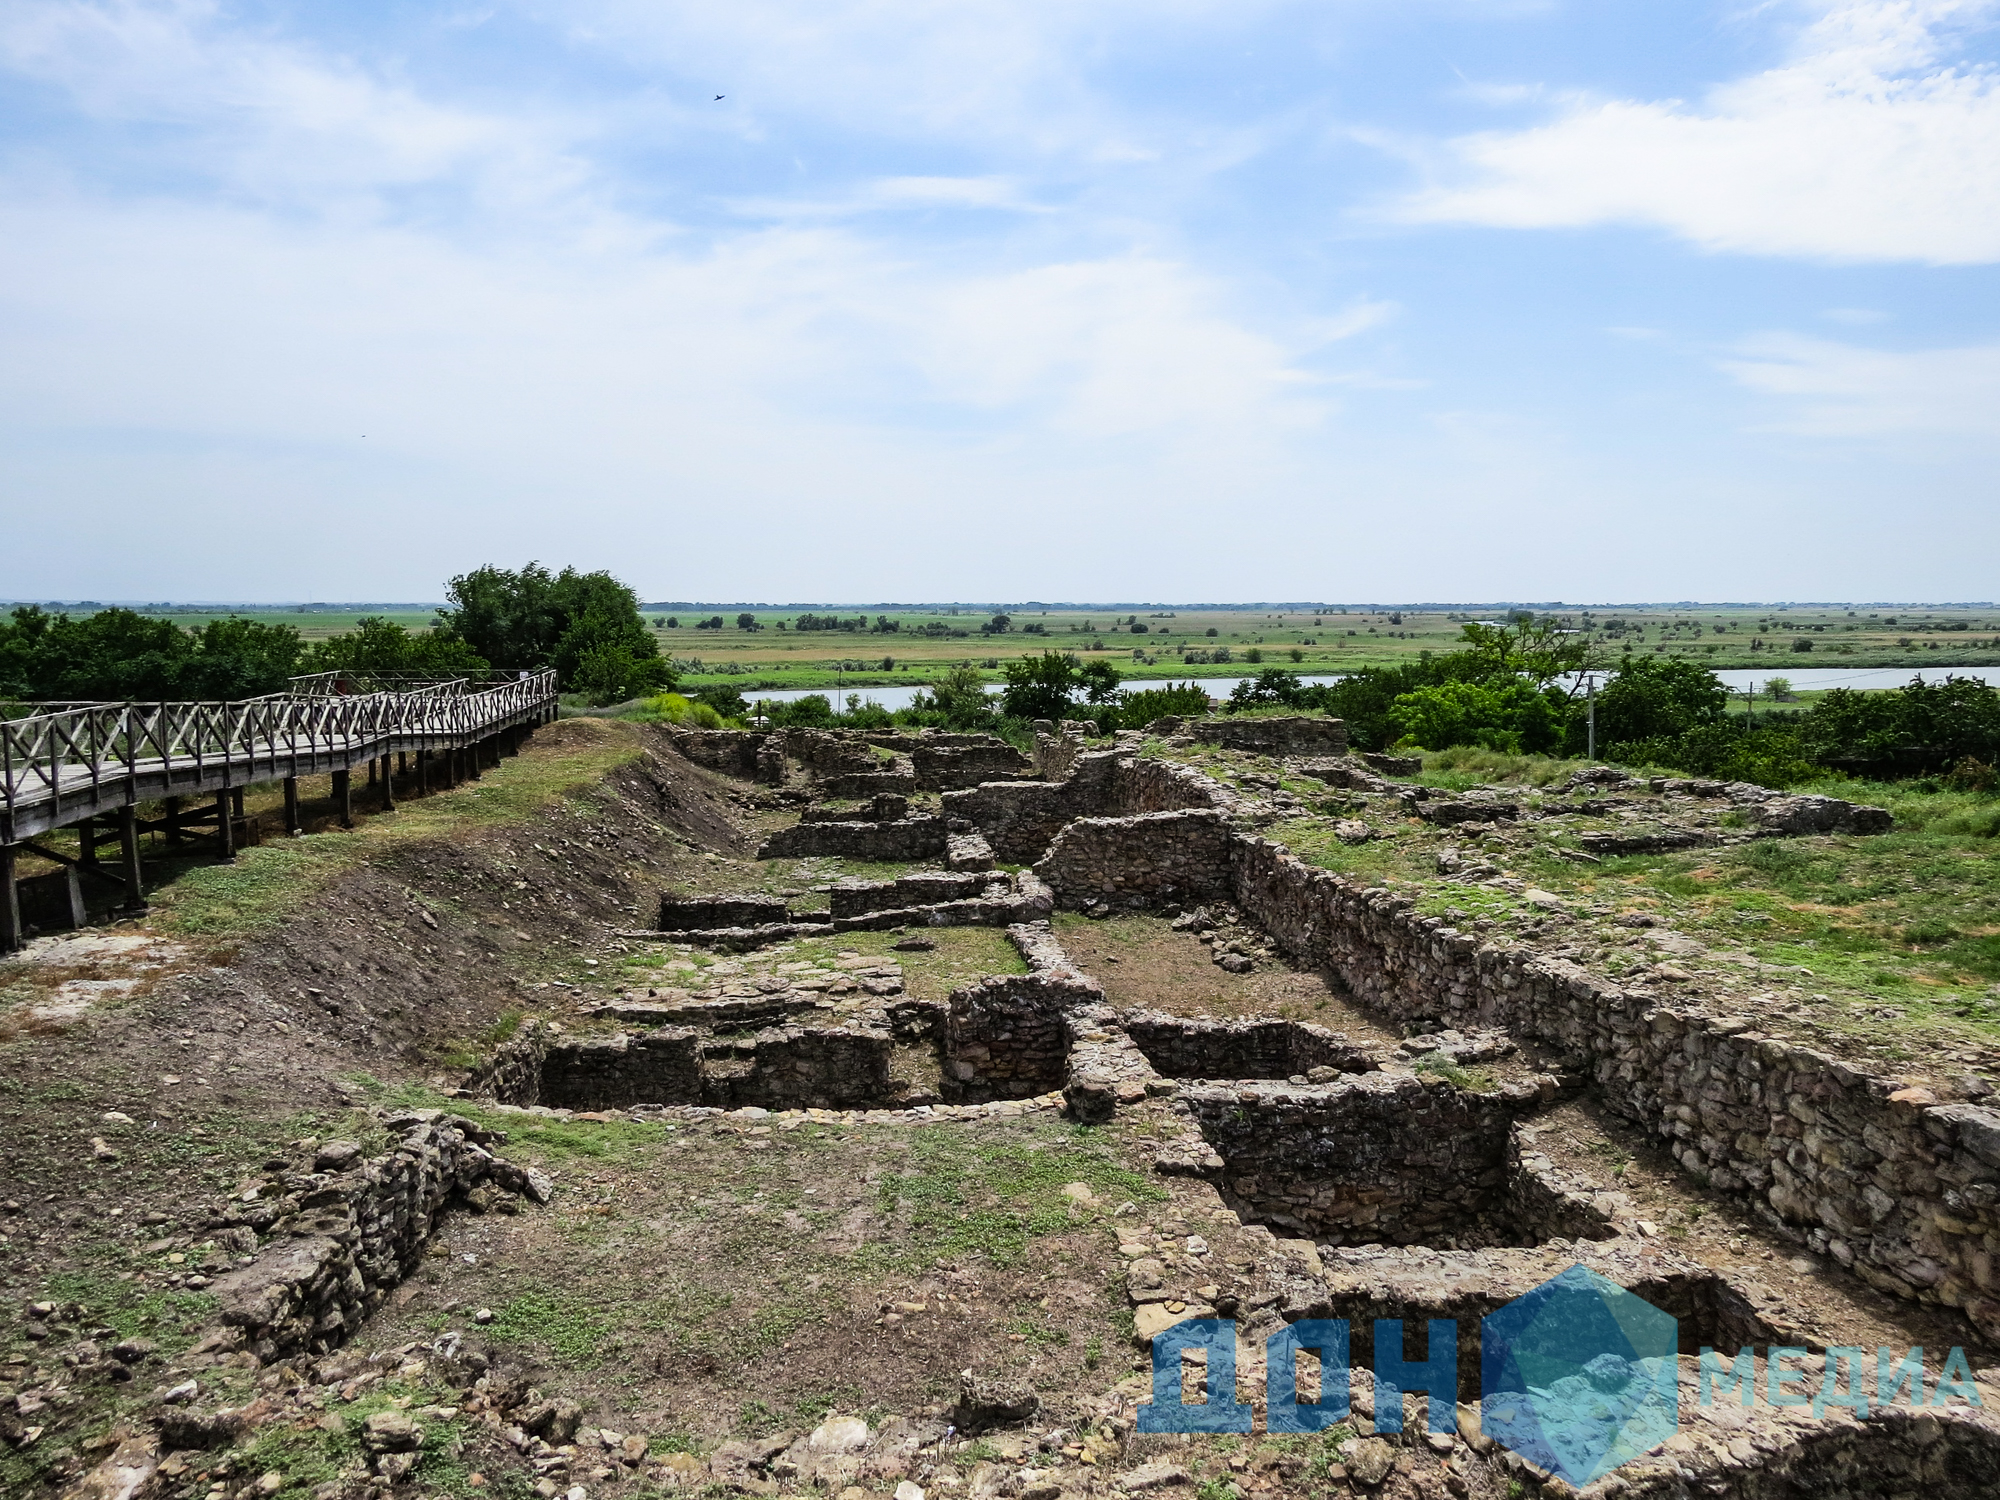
column 65, row 765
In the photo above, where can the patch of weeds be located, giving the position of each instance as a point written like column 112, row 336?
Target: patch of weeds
column 815, row 1406
column 969, row 1196
column 1441, row 1066
column 503, row 1029
column 305, row 1458
column 570, row 1327
column 1093, row 1353
column 758, row 1418
column 1038, row 1333
column 169, row 1319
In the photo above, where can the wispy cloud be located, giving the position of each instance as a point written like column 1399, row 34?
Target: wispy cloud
column 1835, row 390
column 1868, row 144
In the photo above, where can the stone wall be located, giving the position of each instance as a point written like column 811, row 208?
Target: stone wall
column 1021, row 819
column 881, row 807
column 733, row 752
column 828, row 752
column 351, row 1228
column 1006, row 1037
column 692, row 913
column 1287, row 735
column 949, row 768
column 662, row 1066
column 1381, row 1158
column 907, row 841
column 1546, row 1203
column 1180, row 1047
column 1152, row 859
column 1879, row 1177
column 1059, row 748
column 796, row 1067
column 851, row 898
column 898, row 780
column 779, row 1067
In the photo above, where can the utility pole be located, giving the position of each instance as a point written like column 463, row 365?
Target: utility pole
column 1750, row 705
column 1590, row 703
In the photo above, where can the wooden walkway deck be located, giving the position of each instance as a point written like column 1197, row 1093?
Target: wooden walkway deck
column 77, row 763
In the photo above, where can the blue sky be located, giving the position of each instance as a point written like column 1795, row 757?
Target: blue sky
column 1596, row 300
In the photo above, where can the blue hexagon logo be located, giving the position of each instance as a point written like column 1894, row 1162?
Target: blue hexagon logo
column 1578, row 1376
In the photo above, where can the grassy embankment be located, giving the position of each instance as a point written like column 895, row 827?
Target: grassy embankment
column 1892, row 940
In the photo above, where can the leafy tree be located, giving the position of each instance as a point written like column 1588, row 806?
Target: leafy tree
column 814, row 711
column 533, row 618
column 376, row 645
column 1099, row 680
column 1540, row 650
column 1139, row 708
column 724, row 699
column 958, row 700
column 1273, row 687
column 1654, row 697
column 118, row 655
column 1907, row 731
column 1043, row 687
column 1505, row 714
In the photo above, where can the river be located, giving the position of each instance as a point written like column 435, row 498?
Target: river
column 1736, row 679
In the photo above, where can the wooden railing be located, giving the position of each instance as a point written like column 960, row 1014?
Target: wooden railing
column 66, row 749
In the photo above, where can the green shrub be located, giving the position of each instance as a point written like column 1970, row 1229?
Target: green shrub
column 1137, row 709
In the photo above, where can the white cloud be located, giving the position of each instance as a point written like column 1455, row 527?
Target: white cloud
column 1868, row 144
column 272, row 120
column 1841, row 390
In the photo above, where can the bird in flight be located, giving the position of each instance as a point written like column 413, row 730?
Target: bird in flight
column 721, row 96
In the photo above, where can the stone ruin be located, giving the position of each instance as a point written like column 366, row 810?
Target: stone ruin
column 1410, row 1171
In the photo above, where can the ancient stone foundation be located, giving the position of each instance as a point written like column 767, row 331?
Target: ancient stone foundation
column 1274, row 736
column 1380, row 1158
column 351, row 1228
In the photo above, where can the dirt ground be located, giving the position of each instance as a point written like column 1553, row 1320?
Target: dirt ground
column 1142, row 962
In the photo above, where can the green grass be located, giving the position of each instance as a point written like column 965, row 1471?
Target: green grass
column 268, row 883
column 963, row 1195
column 566, row 1327
column 1910, row 917
column 170, row 1319
column 1440, row 1065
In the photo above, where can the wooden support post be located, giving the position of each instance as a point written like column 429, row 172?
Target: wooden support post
column 225, row 828
column 343, row 798
column 403, row 762
column 423, row 760
column 173, row 819
column 128, row 851
column 472, row 757
column 10, row 902
column 292, row 824
column 371, row 771
column 86, row 842
column 388, row 784
column 236, row 799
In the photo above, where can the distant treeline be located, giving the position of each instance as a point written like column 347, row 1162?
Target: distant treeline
column 1513, row 689
column 585, row 625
